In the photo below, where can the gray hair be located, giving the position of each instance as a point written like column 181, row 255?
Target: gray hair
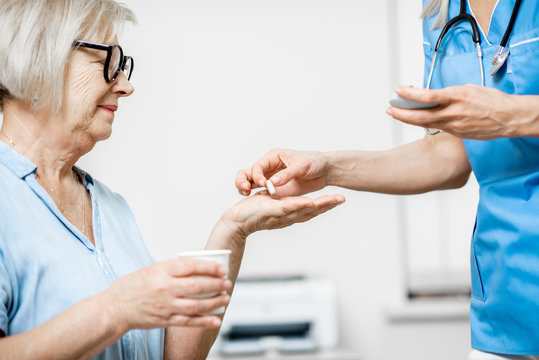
column 437, row 6
column 36, row 43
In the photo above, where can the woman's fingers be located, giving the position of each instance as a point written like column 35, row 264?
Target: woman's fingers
column 190, row 267
column 320, row 206
column 296, row 203
column 292, row 204
column 328, row 200
column 205, row 321
column 197, row 285
column 150, row 297
column 199, row 306
column 300, row 209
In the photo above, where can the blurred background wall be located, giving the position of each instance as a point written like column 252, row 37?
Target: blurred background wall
column 220, row 82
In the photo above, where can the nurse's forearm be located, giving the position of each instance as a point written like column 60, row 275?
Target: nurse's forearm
column 433, row 163
column 81, row 332
column 195, row 343
column 526, row 112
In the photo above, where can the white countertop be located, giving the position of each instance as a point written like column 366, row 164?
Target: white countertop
column 321, row 355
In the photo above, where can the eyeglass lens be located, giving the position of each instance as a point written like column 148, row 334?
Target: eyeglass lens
column 118, row 63
column 114, row 63
column 128, row 67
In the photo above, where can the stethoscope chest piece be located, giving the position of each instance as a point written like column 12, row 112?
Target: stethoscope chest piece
column 498, row 60
column 501, row 56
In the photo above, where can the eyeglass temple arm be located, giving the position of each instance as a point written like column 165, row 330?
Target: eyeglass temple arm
column 90, row 45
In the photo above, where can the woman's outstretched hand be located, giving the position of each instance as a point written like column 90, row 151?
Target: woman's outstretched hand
column 264, row 212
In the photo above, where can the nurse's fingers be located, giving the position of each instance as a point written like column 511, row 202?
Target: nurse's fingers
column 428, row 96
column 414, row 116
column 282, row 177
column 265, row 167
column 441, row 115
column 244, row 182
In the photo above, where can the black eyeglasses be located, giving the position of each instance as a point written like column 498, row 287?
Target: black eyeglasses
column 115, row 62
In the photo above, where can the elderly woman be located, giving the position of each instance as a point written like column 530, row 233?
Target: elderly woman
column 76, row 280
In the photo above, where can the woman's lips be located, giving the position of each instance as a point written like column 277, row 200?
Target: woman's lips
column 111, row 108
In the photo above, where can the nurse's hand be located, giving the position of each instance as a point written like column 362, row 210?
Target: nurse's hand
column 291, row 172
column 264, row 212
column 159, row 295
column 469, row 111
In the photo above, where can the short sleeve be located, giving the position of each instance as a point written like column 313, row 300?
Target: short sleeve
column 5, row 294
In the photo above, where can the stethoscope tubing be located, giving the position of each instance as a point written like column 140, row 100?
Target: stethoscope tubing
column 511, row 24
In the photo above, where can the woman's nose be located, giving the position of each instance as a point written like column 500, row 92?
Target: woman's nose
column 122, row 86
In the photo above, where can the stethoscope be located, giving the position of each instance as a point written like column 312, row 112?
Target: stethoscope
column 497, row 61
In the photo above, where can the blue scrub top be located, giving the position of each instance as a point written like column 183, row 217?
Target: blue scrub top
column 504, row 312
column 47, row 264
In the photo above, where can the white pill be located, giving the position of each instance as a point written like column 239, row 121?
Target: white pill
column 270, row 187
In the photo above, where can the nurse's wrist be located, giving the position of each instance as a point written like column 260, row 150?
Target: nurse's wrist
column 335, row 169
column 526, row 114
column 342, row 168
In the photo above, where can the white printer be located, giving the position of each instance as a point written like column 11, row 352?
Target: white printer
column 279, row 314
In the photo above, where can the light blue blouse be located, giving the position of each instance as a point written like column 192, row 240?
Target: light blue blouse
column 47, row 264
column 504, row 313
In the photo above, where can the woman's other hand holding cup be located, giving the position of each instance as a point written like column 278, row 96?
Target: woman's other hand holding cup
column 159, row 295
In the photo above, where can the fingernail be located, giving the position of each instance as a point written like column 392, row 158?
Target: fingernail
column 275, row 180
column 398, row 90
column 244, row 193
column 389, row 112
column 245, row 186
column 261, row 183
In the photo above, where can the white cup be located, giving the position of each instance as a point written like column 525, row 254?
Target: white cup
column 218, row 256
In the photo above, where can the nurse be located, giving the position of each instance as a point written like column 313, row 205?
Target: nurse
column 492, row 131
